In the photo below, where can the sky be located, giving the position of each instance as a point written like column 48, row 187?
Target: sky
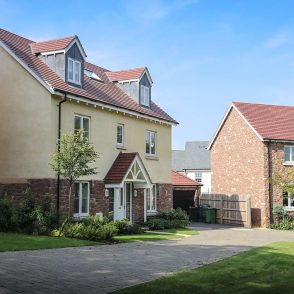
column 201, row 54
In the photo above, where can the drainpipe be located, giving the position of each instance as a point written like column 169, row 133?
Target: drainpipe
column 269, row 183
column 58, row 148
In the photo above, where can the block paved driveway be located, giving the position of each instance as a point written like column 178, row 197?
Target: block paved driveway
column 103, row 269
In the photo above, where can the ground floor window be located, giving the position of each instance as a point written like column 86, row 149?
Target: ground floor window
column 81, row 198
column 151, row 198
column 288, row 200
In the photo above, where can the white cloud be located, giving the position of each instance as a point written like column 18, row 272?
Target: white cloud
column 278, row 40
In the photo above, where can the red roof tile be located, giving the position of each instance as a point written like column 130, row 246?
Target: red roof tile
column 270, row 121
column 119, row 168
column 181, row 180
column 104, row 92
column 52, row 45
column 128, row 74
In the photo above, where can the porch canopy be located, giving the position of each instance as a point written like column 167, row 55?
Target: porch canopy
column 127, row 178
column 128, row 167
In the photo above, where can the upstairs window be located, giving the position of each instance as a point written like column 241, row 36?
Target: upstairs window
column 289, row 153
column 120, row 135
column 150, row 143
column 82, row 123
column 198, row 177
column 74, row 71
column 144, row 96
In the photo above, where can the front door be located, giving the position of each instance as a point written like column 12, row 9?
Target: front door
column 123, row 202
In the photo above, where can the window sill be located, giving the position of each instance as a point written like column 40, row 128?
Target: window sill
column 79, row 216
column 287, row 208
column 151, row 212
column 151, row 157
column 121, row 147
column 288, row 163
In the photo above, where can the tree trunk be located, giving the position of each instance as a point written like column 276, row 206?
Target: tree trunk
column 69, row 199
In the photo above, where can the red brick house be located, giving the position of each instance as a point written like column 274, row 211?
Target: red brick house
column 253, row 142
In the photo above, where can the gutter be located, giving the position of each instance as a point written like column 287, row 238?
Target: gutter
column 58, row 149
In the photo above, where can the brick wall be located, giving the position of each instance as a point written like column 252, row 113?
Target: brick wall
column 238, row 162
column 138, row 206
column 164, row 196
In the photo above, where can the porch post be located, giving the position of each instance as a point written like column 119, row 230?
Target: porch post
column 145, row 207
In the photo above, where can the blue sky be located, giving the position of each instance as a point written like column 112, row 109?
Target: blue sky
column 202, row 54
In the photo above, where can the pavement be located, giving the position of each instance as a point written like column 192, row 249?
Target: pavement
column 105, row 268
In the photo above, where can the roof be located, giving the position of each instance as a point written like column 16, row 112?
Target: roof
column 52, row 45
column 181, row 180
column 119, row 168
column 104, row 92
column 194, row 157
column 123, row 75
column 269, row 122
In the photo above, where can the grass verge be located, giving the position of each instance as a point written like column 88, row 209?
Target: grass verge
column 18, row 242
column 181, row 231
column 146, row 237
column 268, row 269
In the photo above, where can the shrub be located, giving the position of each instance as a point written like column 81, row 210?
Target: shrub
column 35, row 215
column 8, row 217
column 279, row 211
column 122, row 226
column 286, row 223
column 158, row 224
column 90, row 228
column 168, row 218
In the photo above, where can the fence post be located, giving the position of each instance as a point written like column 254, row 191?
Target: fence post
column 248, row 212
column 221, row 209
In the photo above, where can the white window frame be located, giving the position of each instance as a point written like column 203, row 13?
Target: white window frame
column 80, row 213
column 198, row 176
column 291, row 153
column 120, row 144
column 152, row 192
column 82, row 117
column 75, row 63
column 148, row 133
column 289, row 207
column 145, row 91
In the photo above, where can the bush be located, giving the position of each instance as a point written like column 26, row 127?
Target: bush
column 35, row 215
column 286, row 223
column 167, row 219
column 8, row 216
column 90, row 228
column 125, row 228
column 279, row 211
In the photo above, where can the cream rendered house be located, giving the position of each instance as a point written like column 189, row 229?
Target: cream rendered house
column 48, row 88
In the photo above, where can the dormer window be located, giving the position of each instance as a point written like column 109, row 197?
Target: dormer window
column 145, row 96
column 74, row 71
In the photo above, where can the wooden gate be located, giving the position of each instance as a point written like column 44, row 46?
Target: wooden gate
column 230, row 209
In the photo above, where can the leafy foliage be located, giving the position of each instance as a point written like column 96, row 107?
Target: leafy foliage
column 8, row 220
column 167, row 219
column 279, row 211
column 35, row 215
column 75, row 157
column 91, row 228
column 125, row 228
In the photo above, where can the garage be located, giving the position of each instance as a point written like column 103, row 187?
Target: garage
column 186, row 192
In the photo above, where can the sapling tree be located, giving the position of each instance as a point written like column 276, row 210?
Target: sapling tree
column 74, row 159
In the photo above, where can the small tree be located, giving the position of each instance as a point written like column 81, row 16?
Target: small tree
column 74, row 159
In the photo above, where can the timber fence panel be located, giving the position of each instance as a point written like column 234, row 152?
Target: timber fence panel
column 231, row 209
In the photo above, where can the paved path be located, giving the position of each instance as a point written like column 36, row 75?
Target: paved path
column 103, row 269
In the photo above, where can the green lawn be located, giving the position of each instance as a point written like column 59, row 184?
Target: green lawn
column 183, row 231
column 268, row 269
column 146, row 237
column 17, row 242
